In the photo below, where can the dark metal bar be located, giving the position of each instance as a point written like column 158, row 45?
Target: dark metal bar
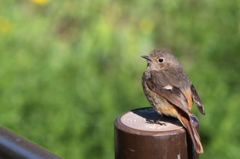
column 137, row 138
column 13, row 146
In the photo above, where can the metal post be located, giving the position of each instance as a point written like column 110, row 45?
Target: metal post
column 137, row 138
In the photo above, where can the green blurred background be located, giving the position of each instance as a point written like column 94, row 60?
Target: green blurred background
column 69, row 68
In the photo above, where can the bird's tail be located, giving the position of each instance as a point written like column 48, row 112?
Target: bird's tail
column 191, row 125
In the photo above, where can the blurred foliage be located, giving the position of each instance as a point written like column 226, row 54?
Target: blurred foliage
column 68, row 69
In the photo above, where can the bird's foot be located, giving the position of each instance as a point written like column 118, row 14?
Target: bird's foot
column 157, row 121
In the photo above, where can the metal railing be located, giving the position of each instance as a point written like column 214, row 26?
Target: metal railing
column 13, row 146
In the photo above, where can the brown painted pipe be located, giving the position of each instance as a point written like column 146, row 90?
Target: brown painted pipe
column 136, row 137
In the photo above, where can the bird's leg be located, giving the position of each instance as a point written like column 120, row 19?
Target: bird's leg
column 157, row 121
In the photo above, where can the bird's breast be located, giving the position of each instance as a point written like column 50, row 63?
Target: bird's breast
column 159, row 103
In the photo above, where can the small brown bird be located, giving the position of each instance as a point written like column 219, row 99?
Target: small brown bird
column 170, row 92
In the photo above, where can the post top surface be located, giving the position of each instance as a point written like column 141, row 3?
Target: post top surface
column 141, row 118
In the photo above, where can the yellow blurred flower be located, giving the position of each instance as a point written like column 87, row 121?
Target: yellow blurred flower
column 146, row 25
column 4, row 25
column 40, row 2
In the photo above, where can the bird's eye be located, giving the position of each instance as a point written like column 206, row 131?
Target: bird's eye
column 160, row 60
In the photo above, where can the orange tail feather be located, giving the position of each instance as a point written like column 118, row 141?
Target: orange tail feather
column 190, row 124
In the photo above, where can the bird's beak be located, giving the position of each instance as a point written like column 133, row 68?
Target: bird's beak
column 146, row 57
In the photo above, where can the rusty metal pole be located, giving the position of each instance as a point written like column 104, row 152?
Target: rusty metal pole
column 137, row 138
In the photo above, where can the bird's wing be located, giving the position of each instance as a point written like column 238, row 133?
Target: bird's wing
column 197, row 100
column 159, row 84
